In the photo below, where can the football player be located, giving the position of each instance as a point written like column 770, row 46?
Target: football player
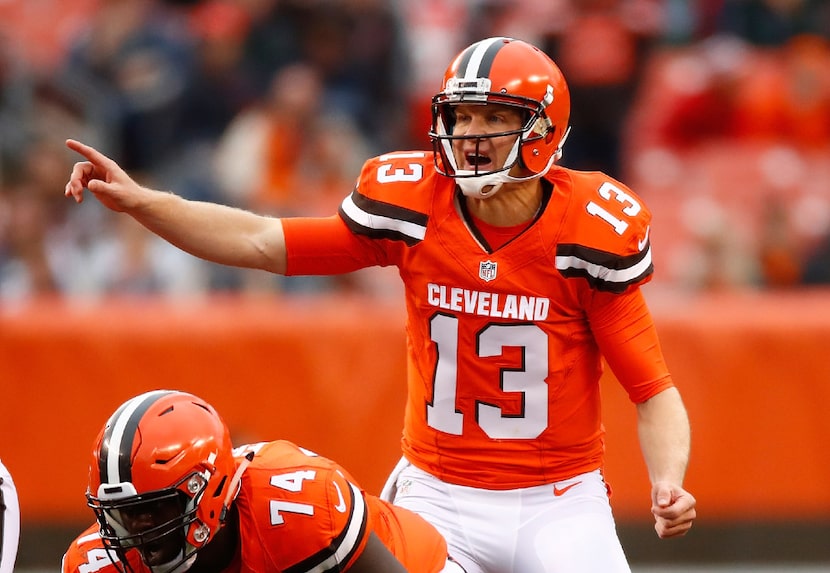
column 520, row 276
column 9, row 521
column 171, row 494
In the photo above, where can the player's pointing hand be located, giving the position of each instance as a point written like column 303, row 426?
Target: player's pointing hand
column 103, row 177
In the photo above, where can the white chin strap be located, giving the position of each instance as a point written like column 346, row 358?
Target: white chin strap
column 484, row 186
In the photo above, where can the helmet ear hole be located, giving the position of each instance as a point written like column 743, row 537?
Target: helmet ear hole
column 531, row 158
column 219, row 488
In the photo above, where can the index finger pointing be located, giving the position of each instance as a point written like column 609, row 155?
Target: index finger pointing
column 92, row 154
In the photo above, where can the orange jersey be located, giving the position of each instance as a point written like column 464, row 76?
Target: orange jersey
column 504, row 345
column 299, row 512
column 86, row 554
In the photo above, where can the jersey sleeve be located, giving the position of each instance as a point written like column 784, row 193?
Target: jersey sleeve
column 326, row 246
column 605, row 234
column 392, row 197
column 300, row 514
column 627, row 337
column 343, row 522
column 388, row 208
column 86, row 554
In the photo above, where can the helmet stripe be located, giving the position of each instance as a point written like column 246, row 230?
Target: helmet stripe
column 117, row 442
column 478, row 59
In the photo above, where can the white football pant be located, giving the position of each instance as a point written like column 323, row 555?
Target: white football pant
column 566, row 527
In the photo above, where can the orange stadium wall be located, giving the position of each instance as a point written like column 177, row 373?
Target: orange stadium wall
column 328, row 373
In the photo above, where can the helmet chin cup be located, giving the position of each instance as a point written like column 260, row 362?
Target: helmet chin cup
column 481, row 187
column 485, row 186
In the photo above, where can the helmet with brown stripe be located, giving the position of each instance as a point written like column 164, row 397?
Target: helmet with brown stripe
column 159, row 477
column 509, row 72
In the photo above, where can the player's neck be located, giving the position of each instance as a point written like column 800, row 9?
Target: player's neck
column 513, row 204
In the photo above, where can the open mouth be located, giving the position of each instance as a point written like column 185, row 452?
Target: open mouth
column 475, row 161
column 154, row 558
column 158, row 552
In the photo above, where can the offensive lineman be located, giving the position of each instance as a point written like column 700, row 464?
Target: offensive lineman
column 171, row 494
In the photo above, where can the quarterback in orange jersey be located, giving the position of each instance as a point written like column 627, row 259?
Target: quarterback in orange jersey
column 520, row 276
column 171, row 494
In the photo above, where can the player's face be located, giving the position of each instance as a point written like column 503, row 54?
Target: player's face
column 151, row 521
column 490, row 153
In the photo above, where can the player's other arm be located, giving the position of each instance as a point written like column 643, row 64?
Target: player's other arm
column 210, row 231
column 663, row 429
column 627, row 336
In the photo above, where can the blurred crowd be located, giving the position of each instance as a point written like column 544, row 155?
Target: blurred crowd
column 716, row 111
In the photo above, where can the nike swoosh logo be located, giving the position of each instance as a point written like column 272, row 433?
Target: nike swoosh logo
column 641, row 244
column 557, row 491
column 341, row 504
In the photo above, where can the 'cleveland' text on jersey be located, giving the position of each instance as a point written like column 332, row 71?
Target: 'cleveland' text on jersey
column 488, row 303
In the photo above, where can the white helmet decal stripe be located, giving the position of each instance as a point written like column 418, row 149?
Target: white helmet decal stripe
column 481, row 58
column 119, row 435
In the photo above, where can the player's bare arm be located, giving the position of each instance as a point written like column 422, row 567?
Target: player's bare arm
column 217, row 233
column 663, row 428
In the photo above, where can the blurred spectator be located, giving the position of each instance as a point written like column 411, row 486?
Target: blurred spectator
column 274, row 39
column 817, row 265
column 773, row 22
column 723, row 88
column 24, row 225
column 290, row 155
column 39, row 31
column 47, row 248
column 601, row 47
column 356, row 46
column 434, row 37
column 379, row 71
column 779, row 254
column 698, row 96
column 219, row 87
column 95, row 255
column 787, row 97
column 490, row 18
column 730, row 144
column 710, row 248
column 16, row 102
column 123, row 81
column 34, row 165
column 130, row 68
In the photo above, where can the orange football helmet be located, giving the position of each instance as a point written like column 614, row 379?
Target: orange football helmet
column 509, row 72
column 159, row 477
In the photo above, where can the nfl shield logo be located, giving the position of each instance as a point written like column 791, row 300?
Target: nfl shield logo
column 487, row 270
